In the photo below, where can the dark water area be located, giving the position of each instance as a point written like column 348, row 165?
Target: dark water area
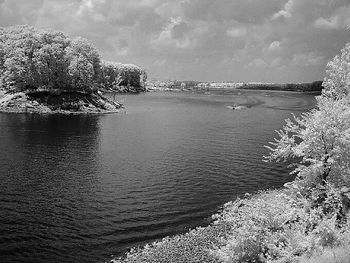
column 84, row 188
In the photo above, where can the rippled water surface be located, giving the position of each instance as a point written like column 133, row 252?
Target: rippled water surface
column 84, row 188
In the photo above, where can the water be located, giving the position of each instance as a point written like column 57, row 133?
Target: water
column 84, row 188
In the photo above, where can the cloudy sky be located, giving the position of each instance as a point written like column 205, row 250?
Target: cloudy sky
column 239, row 40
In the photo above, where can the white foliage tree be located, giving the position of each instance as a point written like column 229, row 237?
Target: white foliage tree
column 32, row 59
column 84, row 64
column 319, row 141
column 337, row 82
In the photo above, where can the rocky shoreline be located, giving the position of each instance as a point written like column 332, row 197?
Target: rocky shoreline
column 57, row 102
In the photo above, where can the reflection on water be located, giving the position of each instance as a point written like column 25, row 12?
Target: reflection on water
column 48, row 172
column 81, row 188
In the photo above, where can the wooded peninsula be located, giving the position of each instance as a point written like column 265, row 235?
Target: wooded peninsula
column 45, row 71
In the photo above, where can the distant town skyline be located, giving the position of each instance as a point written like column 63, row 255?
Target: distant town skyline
column 205, row 40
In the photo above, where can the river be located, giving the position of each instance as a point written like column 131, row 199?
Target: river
column 84, row 188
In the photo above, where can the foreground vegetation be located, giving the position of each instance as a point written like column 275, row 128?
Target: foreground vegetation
column 272, row 226
column 307, row 221
column 46, row 64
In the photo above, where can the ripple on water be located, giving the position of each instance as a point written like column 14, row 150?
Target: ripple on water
column 81, row 188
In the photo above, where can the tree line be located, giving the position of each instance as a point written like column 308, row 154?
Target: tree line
column 32, row 59
column 315, row 86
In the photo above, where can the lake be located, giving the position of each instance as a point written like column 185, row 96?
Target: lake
column 84, row 188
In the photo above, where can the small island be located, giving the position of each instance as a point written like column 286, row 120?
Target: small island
column 44, row 71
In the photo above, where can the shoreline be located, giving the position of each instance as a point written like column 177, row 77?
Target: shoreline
column 59, row 112
column 66, row 102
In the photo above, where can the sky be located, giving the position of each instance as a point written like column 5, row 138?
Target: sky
column 207, row 40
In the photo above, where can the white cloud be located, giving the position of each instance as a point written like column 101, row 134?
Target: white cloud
column 331, row 23
column 236, row 31
column 277, row 62
column 339, row 19
column 264, row 34
column 258, row 63
column 168, row 9
column 88, row 5
column 159, row 62
column 275, row 45
column 286, row 12
column 307, row 59
column 166, row 36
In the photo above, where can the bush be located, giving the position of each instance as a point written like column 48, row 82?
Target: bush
column 336, row 255
column 192, row 247
column 281, row 226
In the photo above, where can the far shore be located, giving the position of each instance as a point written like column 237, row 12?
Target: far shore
column 207, row 91
column 196, row 86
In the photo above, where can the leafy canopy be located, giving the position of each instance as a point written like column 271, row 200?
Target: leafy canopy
column 32, row 59
column 319, row 141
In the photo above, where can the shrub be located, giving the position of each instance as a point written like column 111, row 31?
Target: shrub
column 192, row 247
column 281, row 226
column 335, row 255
